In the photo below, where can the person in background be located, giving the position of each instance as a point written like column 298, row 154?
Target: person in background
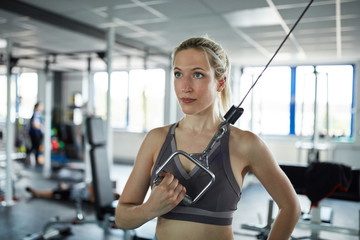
column 201, row 81
column 36, row 131
column 71, row 192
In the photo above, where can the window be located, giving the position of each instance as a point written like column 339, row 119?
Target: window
column 27, row 92
column 119, row 99
column 146, row 99
column 26, row 95
column 137, row 98
column 119, row 95
column 283, row 101
column 267, row 105
column 3, row 98
column 100, row 91
column 334, row 100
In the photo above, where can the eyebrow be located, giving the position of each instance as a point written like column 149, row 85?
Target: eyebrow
column 193, row 69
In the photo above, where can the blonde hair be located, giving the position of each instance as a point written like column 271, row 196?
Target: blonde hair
column 218, row 59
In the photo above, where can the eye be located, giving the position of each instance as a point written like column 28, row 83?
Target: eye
column 198, row 75
column 177, row 74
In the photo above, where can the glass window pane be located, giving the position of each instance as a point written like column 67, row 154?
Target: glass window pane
column 268, row 103
column 119, row 98
column 304, row 99
column 137, row 100
column 118, row 95
column 100, row 93
column 334, row 100
column 340, row 88
column 146, row 94
column 154, row 95
column 27, row 94
column 3, row 98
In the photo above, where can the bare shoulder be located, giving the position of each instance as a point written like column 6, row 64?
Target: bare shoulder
column 244, row 148
column 245, row 140
column 152, row 143
column 248, row 148
column 157, row 135
column 149, row 150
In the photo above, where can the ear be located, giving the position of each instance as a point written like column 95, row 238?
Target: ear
column 221, row 84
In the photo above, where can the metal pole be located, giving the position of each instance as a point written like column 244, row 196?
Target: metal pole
column 301, row 136
column 359, row 225
column 47, row 127
column 89, row 110
column 327, row 107
column 9, row 131
column 110, row 44
column 316, row 135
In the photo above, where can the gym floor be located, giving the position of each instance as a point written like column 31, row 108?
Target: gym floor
column 29, row 215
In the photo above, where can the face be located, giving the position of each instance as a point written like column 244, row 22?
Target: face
column 194, row 82
column 40, row 108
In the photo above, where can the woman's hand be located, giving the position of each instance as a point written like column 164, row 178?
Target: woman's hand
column 165, row 196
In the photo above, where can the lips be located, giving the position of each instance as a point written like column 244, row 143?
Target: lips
column 187, row 100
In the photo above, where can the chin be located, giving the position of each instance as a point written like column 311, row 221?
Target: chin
column 192, row 109
column 188, row 110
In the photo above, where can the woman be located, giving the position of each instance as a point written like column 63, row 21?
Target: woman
column 201, row 70
column 36, row 131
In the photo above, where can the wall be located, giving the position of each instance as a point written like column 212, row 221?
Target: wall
column 284, row 149
column 287, row 150
column 126, row 145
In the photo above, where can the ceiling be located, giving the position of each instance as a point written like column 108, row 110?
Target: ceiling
column 67, row 33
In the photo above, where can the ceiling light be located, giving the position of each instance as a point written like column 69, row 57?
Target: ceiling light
column 253, row 17
column 3, row 43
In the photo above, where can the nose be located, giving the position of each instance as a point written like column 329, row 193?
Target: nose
column 186, row 84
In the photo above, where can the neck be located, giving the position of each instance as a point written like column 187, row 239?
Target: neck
column 199, row 124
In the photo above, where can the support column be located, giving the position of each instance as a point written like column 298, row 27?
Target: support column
column 89, row 112
column 47, row 127
column 316, row 130
column 110, row 43
column 9, row 131
column 356, row 107
column 169, row 115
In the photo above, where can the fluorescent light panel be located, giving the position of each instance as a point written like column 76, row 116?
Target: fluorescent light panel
column 253, row 17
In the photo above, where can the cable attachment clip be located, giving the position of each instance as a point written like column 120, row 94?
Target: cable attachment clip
column 233, row 114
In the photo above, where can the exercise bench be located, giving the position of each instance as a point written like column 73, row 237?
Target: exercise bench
column 104, row 203
column 320, row 218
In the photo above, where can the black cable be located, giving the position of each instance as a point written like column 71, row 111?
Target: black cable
column 287, row 36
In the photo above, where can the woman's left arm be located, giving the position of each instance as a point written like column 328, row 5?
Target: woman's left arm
column 263, row 165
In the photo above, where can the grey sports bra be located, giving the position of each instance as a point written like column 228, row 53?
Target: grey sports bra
column 219, row 203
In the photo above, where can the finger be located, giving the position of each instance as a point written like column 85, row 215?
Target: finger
column 168, row 178
column 174, row 184
column 179, row 188
column 181, row 194
column 162, row 174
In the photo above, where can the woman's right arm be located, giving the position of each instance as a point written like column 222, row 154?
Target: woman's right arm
column 132, row 211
